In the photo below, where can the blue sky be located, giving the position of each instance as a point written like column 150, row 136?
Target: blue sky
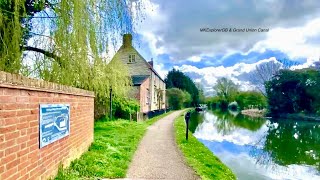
column 170, row 34
column 168, row 31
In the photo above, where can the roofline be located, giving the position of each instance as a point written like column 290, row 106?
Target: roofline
column 155, row 72
column 148, row 77
column 150, row 67
column 122, row 47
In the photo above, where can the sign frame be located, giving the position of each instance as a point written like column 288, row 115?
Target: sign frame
column 50, row 129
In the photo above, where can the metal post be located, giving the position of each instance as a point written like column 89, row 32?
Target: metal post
column 110, row 103
column 187, row 119
column 187, row 130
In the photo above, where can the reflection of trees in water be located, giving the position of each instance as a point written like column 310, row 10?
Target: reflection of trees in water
column 227, row 122
column 263, row 158
column 195, row 119
column 286, row 142
column 293, row 143
column 224, row 124
column 249, row 123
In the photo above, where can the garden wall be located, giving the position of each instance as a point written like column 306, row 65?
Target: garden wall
column 20, row 154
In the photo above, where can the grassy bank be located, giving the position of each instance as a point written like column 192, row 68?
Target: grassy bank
column 111, row 152
column 199, row 157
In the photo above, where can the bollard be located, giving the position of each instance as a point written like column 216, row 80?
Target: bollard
column 187, row 119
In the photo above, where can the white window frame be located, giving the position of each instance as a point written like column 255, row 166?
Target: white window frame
column 148, row 98
column 132, row 58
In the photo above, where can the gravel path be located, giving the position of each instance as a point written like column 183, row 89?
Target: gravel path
column 158, row 156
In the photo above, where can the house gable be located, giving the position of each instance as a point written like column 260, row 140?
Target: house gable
column 137, row 65
column 150, row 87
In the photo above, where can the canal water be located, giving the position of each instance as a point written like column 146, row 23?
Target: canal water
column 258, row 148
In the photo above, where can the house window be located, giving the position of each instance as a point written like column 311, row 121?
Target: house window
column 147, row 97
column 155, row 94
column 132, row 58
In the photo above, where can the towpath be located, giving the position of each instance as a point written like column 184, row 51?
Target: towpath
column 158, row 156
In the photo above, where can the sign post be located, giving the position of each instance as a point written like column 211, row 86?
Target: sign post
column 187, row 119
column 54, row 123
column 110, row 103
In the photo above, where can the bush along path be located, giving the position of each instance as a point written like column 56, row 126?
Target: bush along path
column 157, row 156
column 111, row 152
column 198, row 156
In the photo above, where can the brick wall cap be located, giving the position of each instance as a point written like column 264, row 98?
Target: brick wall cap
column 16, row 81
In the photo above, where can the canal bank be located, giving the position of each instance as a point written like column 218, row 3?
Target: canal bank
column 258, row 148
column 199, row 157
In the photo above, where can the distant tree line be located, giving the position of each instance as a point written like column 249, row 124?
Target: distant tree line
column 229, row 95
column 286, row 92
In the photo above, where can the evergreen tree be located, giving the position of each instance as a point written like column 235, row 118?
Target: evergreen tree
column 177, row 79
column 294, row 91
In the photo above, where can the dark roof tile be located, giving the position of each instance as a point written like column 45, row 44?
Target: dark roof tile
column 138, row 79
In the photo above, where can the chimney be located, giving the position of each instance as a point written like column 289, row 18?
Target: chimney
column 127, row 40
column 151, row 62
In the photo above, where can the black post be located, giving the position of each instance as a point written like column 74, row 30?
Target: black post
column 187, row 130
column 110, row 103
column 187, row 119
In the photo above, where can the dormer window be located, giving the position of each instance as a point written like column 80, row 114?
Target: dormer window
column 132, row 58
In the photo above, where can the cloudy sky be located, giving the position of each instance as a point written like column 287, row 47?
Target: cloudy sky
column 170, row 34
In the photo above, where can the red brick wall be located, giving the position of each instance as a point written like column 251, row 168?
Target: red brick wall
column 20, row 156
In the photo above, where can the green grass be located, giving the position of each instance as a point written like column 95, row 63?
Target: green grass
column 111, row 152
column 198, row 156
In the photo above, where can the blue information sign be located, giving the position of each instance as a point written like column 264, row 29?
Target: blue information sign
column 54, row 123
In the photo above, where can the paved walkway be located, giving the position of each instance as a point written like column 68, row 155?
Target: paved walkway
column 158, row 156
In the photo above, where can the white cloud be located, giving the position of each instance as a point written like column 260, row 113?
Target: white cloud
column 309, row 63
column 170, row 29
column 195, row 58
column 208, row 76
column 148, row 28
column 152, row 40
column 173, row 27
column 293, row 41
column 160, row 69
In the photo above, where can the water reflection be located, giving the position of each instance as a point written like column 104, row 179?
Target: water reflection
column 258, row 148
column 238, row 120
column 294, row 143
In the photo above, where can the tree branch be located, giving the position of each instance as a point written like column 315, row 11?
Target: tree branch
column 44, row 52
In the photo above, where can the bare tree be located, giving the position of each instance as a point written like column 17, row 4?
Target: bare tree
column 201, row 92
column 265, row 71
column 225, row 88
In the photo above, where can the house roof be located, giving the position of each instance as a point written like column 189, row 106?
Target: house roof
column 127, row 43
column 138, row 79
column 150, row 67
